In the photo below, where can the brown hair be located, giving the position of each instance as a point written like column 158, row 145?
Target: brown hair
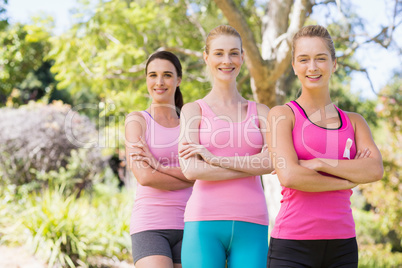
column 314, row 31
column 222, row 30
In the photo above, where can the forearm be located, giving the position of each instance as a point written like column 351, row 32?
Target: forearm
column 195, row 169
column 255, row 165
column 173, row 171
column 158, row 180
column 304, row 179
column 363, row 170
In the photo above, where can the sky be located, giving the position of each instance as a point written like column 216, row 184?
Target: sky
column 379, row 62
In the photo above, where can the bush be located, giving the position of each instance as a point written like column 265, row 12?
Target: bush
column 66, row 231
column 37, row 138
column 375, row 250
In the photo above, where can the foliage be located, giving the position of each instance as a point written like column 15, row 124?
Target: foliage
column 373, row 251
column 39, row 138
column 67, row 231
column 23, row 73
column 384, row 197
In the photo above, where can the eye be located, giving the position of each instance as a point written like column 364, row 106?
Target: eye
column 168, row 75
column 235, row 53
column 303, row 60
column 152, row 75
column 321, row 59
column 218, row 53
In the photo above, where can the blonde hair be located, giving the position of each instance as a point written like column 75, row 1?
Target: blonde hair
column 314, row 31
column 222, row 30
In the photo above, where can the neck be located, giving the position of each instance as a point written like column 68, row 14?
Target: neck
column 224, row 92
column 167, row 110
column 315, row 99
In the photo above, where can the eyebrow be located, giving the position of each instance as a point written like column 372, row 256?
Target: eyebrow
column 219, row 49
column 320, row 54
column 166, row 72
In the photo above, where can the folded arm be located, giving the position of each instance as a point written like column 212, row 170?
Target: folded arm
column 290, row 173
column 193, row 166
column 145, row 174
column 359, row 170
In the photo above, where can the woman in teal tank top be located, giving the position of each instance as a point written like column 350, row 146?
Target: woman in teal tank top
column 226, row 218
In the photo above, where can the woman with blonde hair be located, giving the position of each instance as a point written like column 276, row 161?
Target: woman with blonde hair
column 226, row 218
column 327, row 152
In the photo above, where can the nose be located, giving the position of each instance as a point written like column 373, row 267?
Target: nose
column 159, row 81
column 312, row 66
column 227, row 59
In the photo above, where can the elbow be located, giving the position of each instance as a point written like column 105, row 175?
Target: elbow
column 379, row 173
column 190, row 175
column 286, row 179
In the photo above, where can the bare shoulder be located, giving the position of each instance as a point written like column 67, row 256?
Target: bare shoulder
column 262, row 109
column 281, row 110
column 355, row 117
column 191, row 108
column 357, row 120
column 135, row 116
column 135, row 120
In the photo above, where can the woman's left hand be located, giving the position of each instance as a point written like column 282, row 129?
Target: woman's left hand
column 310, row 164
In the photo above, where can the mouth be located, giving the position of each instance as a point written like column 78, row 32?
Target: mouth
column 314, row 77
column 226, row 70
column 160, row 90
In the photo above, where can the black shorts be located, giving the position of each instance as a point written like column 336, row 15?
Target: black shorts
column 313, row 253
column 157, row 242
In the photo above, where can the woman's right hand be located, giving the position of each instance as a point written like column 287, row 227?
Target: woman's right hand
column 191, row 149
column 144, row 154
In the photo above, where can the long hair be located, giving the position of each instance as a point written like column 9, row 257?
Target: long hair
column 166, row 55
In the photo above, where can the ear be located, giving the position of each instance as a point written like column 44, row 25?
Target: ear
column 205, row 57
column 178, row 81
column 334, row 66
column 293, row 66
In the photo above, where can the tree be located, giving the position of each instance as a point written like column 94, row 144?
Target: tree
column 280, row 21
column 24, row 73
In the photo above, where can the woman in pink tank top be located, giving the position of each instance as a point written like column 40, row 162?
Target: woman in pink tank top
column 226, row 218
column 162, row 192
column 320, row 153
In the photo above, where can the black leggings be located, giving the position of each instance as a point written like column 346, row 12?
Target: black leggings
column 313, row 253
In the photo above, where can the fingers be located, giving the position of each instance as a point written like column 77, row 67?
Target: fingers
column 273, row 172
column 189, row 152
column 358, row 154
column 365, row 154
column 264, row 148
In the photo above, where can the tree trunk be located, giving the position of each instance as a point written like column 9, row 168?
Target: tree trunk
column 283, row 20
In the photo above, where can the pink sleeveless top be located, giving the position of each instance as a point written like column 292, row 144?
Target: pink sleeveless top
column 156, row 209
column 237, row 199
column 323, row 215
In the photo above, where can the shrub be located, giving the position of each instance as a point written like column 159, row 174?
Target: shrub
column 37, row 138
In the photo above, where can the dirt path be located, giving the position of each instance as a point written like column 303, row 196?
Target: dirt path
column 18, row 258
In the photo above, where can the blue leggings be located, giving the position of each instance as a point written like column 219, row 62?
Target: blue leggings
column 208, row 244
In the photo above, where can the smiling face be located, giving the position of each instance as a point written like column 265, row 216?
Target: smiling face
column 162, row 81
column 224, row 57
column 312, row 63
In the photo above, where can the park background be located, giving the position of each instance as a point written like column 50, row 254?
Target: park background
column 66, row 196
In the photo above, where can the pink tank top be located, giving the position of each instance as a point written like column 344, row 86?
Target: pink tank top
column 156, row 209
column 237, row 199
column 323, row 215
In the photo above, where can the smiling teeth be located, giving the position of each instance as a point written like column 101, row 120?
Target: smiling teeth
column 313, row 76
